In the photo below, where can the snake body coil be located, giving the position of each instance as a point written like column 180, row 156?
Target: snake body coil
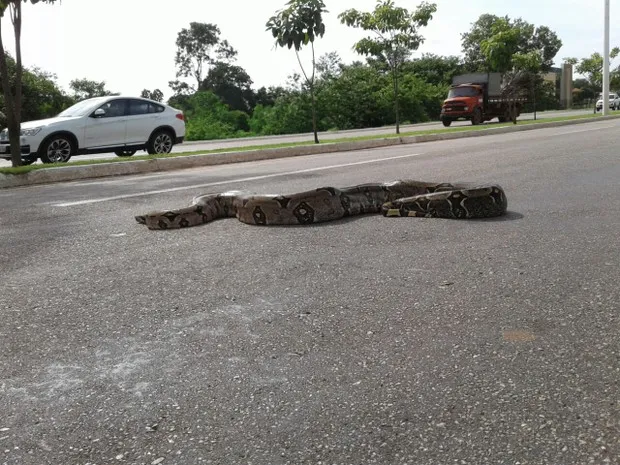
column 393, row 199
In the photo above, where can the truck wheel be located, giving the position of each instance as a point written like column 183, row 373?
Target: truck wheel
column 29, row 160
column 446, row 122
column 476, row 119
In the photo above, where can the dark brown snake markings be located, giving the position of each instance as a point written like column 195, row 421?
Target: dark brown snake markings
column 398, row 198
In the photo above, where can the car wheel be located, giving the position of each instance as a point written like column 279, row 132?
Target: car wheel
column 160, row 142
column 56, row 149
column 29, row 160
column 447, row 123
column 477, row 117
column 125, row 153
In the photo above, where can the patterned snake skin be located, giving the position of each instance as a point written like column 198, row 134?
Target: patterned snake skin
column 397, row 198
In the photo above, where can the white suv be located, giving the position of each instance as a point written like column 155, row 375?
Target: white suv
column 122, row 125
column 614, row 102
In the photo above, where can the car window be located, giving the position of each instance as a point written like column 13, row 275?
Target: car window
column 154, row 108
column 114, row 108
column 138, row 107
column 141, row 107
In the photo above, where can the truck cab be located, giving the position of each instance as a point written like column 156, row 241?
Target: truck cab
column 481, row 97
column 462, row 102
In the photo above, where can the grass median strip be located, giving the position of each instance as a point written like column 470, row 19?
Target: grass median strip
column 486, row 127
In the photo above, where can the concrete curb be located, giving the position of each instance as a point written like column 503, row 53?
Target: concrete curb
column 73, row 173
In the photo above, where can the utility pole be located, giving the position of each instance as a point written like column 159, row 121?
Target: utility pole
column 606, row 62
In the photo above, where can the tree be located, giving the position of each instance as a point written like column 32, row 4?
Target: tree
column 329, row 65
column 209, row 118
column 355, row 98
column 232, row 84
column 267, row 96
column 434, row 69
column 519, row 37
column 198, row 47
column 295, row 27
column 499, row 48
column 592, row 68
column 156, row 95
column 397, row 35
column 41, row 95
column 13, row 94
column 86, row 88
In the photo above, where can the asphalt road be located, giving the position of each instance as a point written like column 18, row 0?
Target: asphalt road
column 368, row 341
column 325, row 136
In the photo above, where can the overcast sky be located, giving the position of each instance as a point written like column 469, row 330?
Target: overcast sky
column 130, row 44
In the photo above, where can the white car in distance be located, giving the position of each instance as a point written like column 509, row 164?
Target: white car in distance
column 118, row 124
column 614, row 102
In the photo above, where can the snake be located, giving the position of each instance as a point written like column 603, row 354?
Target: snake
column 400, row 198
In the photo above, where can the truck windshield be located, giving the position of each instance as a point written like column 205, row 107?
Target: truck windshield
column 463, row 92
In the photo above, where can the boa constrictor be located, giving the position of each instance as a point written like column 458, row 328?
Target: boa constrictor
column 398, row 198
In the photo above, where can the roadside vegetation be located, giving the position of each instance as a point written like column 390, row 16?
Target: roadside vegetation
column 487, row 127
column 387, row 86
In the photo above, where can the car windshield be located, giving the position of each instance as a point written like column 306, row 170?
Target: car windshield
column 463, row 92
column 81, row 108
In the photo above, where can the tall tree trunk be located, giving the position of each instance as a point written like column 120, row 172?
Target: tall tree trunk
column 314, row 129
column 9, row 102
column 396, row 106
column 310, row 83
column 16, row 17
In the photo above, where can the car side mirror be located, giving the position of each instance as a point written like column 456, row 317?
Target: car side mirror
column 99, row 112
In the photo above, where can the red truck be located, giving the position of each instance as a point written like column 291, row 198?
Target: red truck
column 481, row 97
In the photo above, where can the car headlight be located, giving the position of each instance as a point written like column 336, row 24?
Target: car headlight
column 466, row 108
column 30, row 132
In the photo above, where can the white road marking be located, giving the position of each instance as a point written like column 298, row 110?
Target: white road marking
column 230, row 181
column 563, row 133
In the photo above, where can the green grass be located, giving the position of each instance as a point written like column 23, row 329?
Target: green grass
column 27, row 169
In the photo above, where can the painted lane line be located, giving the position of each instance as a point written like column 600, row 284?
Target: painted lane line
column 585, row 130
column 230, row 181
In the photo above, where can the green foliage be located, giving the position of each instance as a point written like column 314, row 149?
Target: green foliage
column 198, row 47
column 499, row 48
column 232, row 84
column 547, row 96
column 12, row 92
column 86, row 88
column 592, row 68
column 267, row 96
column 296, row 26
column 42, row 98
column 583, row 91
column 396, row 30
column 209, row 118
column 421, row 101
column 355, row 98
column 156, row 95
column 434, row 69
column 492, row 42
column 396, row 35
column 291, row 114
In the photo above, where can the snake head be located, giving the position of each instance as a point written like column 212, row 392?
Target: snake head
column 141, row 219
